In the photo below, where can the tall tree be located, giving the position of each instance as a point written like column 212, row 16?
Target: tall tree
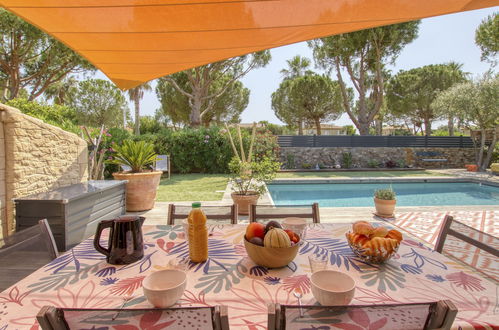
column 226, row 107
column 286, row 111
column 412, row 92
column 201, row 81
column 475, row 103
column 135, row 95
column 297, row 67
column 487, row 38
column 363, row 54
column 313, row 97
column 229, row 106
column 61, row 92
column 98, row 102
column 31, row 60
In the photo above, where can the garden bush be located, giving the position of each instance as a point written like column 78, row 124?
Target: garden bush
column 201, row 150
column 57, row 115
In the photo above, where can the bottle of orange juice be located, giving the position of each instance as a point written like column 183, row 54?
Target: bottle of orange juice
column 198, row 234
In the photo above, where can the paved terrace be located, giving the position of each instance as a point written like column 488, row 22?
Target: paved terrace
column 158, row 215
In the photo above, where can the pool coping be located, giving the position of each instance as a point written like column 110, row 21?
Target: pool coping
column 385, row 180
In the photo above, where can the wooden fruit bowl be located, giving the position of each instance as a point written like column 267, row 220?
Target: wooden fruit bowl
column 270, row 257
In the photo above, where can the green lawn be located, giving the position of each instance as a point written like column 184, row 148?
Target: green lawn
column 191, row 187
column 204, row 187
column 298, row 175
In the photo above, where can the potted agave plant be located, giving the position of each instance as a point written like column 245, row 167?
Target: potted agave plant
column 142, row 180
column 384, row 201
column 248, row 176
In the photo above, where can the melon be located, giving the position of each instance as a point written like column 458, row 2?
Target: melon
column 276, row 238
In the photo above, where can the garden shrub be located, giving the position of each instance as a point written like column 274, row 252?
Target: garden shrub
column 57, row 115
column 390, row 164
column 372, row 163
column 347, row 160
column 201, row 150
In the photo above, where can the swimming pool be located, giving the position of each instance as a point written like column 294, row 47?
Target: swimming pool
column 361, row 194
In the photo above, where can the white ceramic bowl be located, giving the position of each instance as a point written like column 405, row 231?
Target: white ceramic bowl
column 332, row 288
column 163, row 288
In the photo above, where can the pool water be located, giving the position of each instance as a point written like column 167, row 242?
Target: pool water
column 361, row 194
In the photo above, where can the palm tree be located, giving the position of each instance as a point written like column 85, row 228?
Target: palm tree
column 135, row 95
column 298, row 67
column 60, row 92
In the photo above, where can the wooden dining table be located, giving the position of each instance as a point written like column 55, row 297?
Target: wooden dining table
column 81, row 278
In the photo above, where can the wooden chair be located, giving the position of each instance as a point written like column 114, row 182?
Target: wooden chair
column 24, row 252
column 469, row 245
column 222, row 212
column 272, row 212
column 434, row 315
column 52, row 318
column 163, row 164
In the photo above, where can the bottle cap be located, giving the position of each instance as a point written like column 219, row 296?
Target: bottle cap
column 196, row 204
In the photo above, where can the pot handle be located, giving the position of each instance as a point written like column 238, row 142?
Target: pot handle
column 100, row 227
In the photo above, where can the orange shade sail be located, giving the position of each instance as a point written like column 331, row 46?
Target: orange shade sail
column 134, row 41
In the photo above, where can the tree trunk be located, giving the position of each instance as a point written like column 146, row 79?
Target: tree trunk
column 379, row 126
column 427, row 126
column 450, row 125
column 490, row 151
column 318, row 126
column 137, row 115
column 300, row 127
column 363, row 128
column 195, row 116
column 483, row 136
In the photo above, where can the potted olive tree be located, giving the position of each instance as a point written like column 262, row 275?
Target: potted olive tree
column 384, row 201
column 247, row 175
column 142, row 180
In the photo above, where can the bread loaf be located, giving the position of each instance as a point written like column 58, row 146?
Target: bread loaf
column 395, row 234
column 379, row 232
column 363, row 228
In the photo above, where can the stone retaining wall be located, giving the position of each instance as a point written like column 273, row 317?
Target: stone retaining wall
column 35, row 157
column 456, row 157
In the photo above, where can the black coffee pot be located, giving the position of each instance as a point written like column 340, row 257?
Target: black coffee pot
column 125, row 244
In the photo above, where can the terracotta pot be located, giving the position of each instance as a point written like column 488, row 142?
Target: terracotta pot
column 140, row 189
column 243, row 202
column 471, row 167
column 384, row 207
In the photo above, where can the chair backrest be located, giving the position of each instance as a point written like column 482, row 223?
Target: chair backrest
column 163, row 164
column 213, row 212
column 468, row 245
column 433, row 315
column 24, row 252
column 52, row 318
column 271, row 212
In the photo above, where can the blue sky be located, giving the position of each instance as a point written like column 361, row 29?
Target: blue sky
column 441, row 39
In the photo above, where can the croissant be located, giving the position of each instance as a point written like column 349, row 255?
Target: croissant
column 363, row 228
column 395, row 234
column 357, row 239
column 380, row 246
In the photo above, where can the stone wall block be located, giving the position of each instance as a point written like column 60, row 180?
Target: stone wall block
column 361, row 156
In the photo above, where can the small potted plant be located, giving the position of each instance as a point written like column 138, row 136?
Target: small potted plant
column 142, row 180
column 248, row 176
column 384, row 201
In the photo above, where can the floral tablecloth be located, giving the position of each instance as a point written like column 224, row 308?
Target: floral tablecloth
column 82, row 279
